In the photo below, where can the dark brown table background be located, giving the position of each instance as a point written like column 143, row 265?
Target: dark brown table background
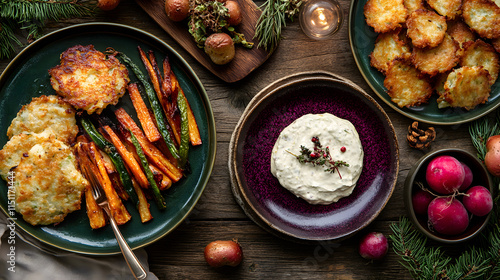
column 179, row 255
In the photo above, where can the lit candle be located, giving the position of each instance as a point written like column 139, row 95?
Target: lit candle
column 320, row 19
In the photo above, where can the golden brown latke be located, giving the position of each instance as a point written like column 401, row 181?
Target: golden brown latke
column 406, row 85
column 480, row 53
column 460, row 32
column 46, row 112
column 48, row 184
column 483, row 16
column 385, row 15
column 88, row 80
column 436, row 60
column 388, row 46
column 413, row 5
column 448, row 8
column 426, row 28
column 13, row 151
column 466, row 87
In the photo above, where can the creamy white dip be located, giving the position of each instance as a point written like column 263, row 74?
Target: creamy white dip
column 310, row 182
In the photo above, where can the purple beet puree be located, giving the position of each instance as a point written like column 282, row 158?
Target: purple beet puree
column 281, row 112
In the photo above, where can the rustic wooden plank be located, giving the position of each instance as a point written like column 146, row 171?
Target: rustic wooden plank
column 245, row 60
column 266, row 256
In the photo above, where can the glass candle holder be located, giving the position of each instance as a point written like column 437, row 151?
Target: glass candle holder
column 320, row 19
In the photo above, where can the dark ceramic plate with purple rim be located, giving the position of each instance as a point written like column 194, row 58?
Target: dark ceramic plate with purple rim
column 279, row 209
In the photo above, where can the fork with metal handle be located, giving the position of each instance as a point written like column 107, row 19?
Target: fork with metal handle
column 101, row 199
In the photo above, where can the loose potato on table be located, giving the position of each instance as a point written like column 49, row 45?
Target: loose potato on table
column 220, row 48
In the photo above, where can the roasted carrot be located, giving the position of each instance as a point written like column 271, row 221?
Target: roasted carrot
column 145, row 118
column 156, row 85
column 143, row 208
column 163, row 181
column 159, row 199
column 155, row 104
column 194, row 132
column 110, row 150
column 169, row 104
column 155, row 155
column 95, row 213
column 128, row 158
column 161, row 178
column 118, row 210
column 163, row 94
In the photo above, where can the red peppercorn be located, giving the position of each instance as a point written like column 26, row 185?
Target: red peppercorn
column 343, row 149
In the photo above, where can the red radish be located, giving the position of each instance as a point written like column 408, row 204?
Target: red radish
column 492, row 157
column 223, row 252
column 467, row 179
column 420, row 201
column 373, row 246
column 448, row 215
column 445, row 174
column 478, row 201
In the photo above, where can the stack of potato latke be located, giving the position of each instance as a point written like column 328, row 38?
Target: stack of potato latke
column 47, row 183
column 447, row 47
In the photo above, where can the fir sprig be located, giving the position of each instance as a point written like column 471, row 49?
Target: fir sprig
column 275, row 14
column 32, row 15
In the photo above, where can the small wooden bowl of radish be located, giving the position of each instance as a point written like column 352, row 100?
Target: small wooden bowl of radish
column 448, row 195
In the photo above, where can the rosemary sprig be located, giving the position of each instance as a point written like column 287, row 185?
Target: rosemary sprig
column 319, row 156
column 274, row 15
column 32, row 15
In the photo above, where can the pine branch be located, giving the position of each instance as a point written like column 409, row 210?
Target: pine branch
column 8, row 40
column 32, row 15
column 426, row 262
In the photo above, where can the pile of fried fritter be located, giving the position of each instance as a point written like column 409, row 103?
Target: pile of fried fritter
column 444, row 47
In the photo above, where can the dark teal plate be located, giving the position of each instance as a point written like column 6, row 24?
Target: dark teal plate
column 27, row 76
column 362, row 40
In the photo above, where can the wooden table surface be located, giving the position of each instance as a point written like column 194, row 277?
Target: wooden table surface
column 217, row 216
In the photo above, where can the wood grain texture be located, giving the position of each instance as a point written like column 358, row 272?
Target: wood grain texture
column 217, row 216
column 245, row 60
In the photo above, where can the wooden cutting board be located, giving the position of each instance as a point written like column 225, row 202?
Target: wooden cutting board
column 245, row 60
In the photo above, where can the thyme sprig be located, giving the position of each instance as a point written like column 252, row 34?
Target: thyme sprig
column 320, row 156
column 274, row 15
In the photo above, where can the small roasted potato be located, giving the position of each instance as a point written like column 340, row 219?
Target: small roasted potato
column 234, row 11
column 177, row 10
column 220, row 48
column 107, row 5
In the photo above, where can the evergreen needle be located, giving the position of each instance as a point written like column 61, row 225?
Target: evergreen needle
column 32, row 15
